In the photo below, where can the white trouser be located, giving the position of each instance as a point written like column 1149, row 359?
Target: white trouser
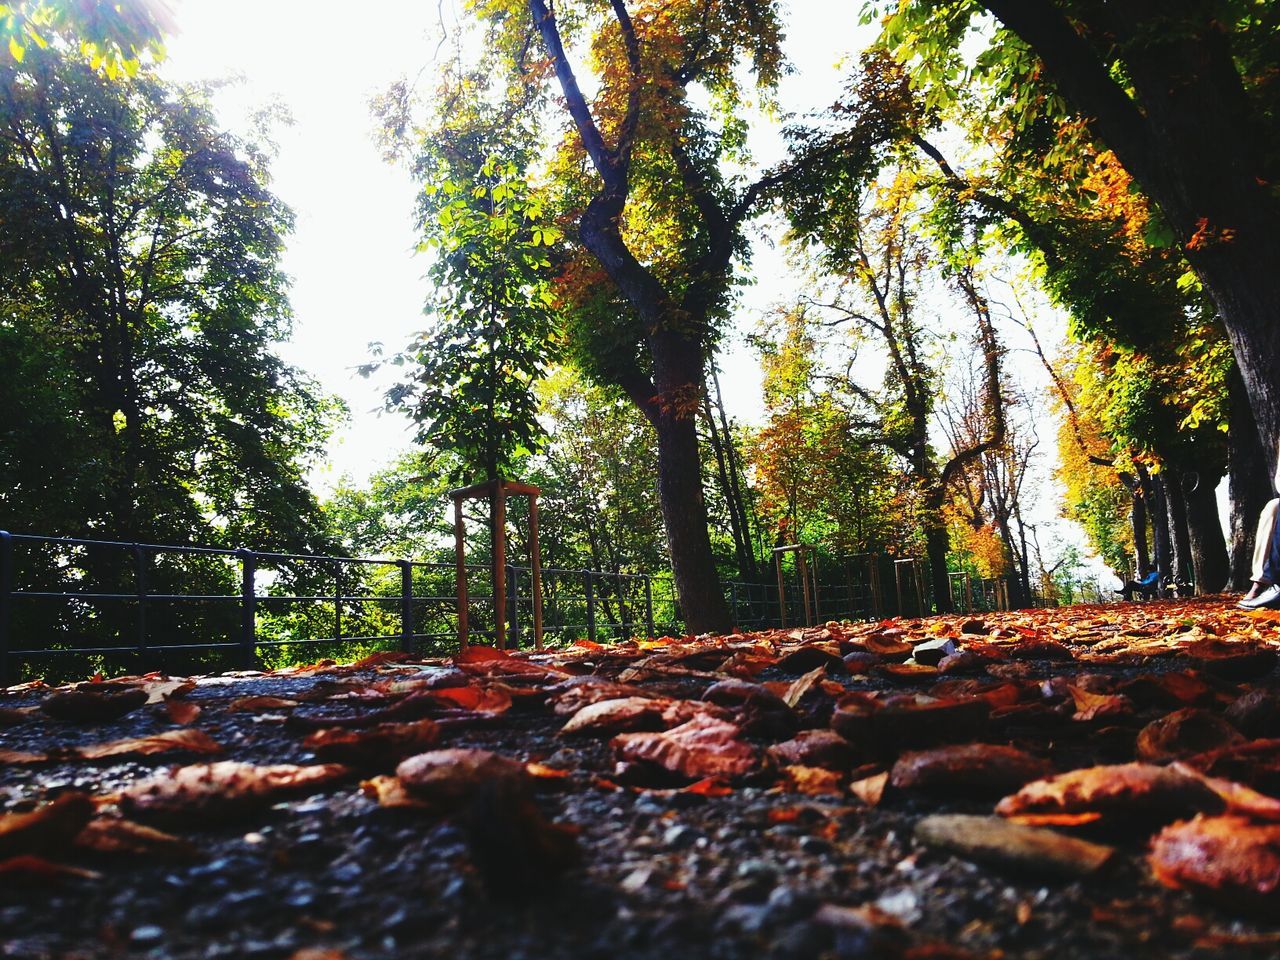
column 1262, row 539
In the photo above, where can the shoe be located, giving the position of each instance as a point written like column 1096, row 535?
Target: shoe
column 1269, row 597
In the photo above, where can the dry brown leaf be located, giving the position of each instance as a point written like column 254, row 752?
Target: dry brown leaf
column 812, row 781
column 28, row 868
column 703, row 747
column 166, row 688
column 191, row 740
column 182, row 711
column 605, row 718
column 377, row 747
column 50, row 827
column 1185, row 733
column 1229, row 859
column 870, row 790
column 815, row 748
column 19, row 758
column 983, row 769
column 219, row 791
column 260, row 704
column 802, row 685
column 1145, row 793
column 1099, row 706
column 114, row 835
column 390, row 792
column 92, row 706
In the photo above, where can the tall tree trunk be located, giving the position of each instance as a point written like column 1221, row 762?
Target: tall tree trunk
column 1141, row 550
column 1249, row 480
column 684, row 511
column 1158, row 511
column 1209, row 557
column 1171, row 483
column 1188, row 135
column 937, row 546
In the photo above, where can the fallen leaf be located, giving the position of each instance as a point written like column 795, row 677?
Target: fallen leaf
column 20, row 758
column 260, row 704
column 191, row 740
column 115, row 835
column 490, row 699
column 378, row 747
column 91, row 706
column 870, row 790
column 1096, row 706
column 802, row 685
column 390, row 792
column 703, row 747
column 224, row 790
column 1184, row 733
column 166, row 688
column 815, row 748
column 1231, row 860
column 31, row 868
column 1142, row 792
column 812, row 781
column 709, row 787
column 50, row 827
column 981, row 769
column 182, row 711
column 608, row 717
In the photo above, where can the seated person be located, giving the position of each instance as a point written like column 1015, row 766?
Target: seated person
column 1265, row 591
column 1148, row 587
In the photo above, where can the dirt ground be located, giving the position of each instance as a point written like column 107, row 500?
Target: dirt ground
column 756, row 795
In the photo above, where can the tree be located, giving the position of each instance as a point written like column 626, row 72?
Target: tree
column 141, row 297
column 471, row 389
column 1179, row 91
column 113, row 37
column 656, row 222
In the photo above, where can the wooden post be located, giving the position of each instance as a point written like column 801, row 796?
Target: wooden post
column 459, row 541
column 536, row 563
column 782, row 592
column 498, row 504
column 805, row 597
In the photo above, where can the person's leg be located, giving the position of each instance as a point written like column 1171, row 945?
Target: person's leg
column 1262, row 546
column 1267, row 574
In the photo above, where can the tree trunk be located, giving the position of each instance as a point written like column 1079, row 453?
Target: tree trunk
column 937, row 546
column 1141, row 551
column 1158, row 511
column 1190, row 137
column 1171, row 484
column 1248, row 483
column 684, row 512
column 1209, row 557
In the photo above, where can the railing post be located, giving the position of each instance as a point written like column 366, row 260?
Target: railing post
column 248, row 608
column 140, row 585
column 6, row 599
column 648, row 606
column 733, row 602
column 337, row 601
column 513, row 605
column 406, row 605
column 590, row 589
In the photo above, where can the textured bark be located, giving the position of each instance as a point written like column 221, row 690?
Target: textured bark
column 1141, row 550
column 1179, row 542
column 1248, row 483
column 1158, row 512
column 1209, row 560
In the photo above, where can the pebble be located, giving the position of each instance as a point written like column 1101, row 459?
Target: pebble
column 680, row 836
column 146, row 934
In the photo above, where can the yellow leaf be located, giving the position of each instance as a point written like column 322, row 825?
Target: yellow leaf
column 15, row 49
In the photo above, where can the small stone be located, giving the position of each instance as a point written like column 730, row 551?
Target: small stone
column 147, row 934
column 680, row 836
column 903, row 904
column 815, row 846
column 931, row 652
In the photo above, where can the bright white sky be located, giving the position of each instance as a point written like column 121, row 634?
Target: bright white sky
column 355, row 277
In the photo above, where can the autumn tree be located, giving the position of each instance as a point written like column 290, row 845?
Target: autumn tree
column 1179, row 91
column 140, row 302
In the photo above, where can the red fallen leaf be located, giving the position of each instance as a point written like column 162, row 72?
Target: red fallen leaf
column 390, row 792
column 995, row 693
column 1227, row 859
column 1256, row 763
column 798, row 688
column 703, row 747
column 886, row 646
column 1256, row 713
column 378, row 659
column 30, row 868
column 447, row 778
column 480, row 654
column 608, row 717
column 18, row 758
column 489, row 699
column 90, row 706
column 810, row 658
column 116, row 836
column 570, row 696
column 48, row 827
column 191, row 740
column 182, row 711
column 375, row 747
column 870, row 790
column 1183, row 733
column 260, row 704
column 1178, row 689
column 709, row 787
column 1239, row 799
column 815, row 748
column 1141, row 791
column 812, row 781
column 540, row 771
column 971, row 768
column 219, row 791
column 908, row 720
column 1034, row 649
column 904, row 672
column 1098, row 706
column 1232, row 660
